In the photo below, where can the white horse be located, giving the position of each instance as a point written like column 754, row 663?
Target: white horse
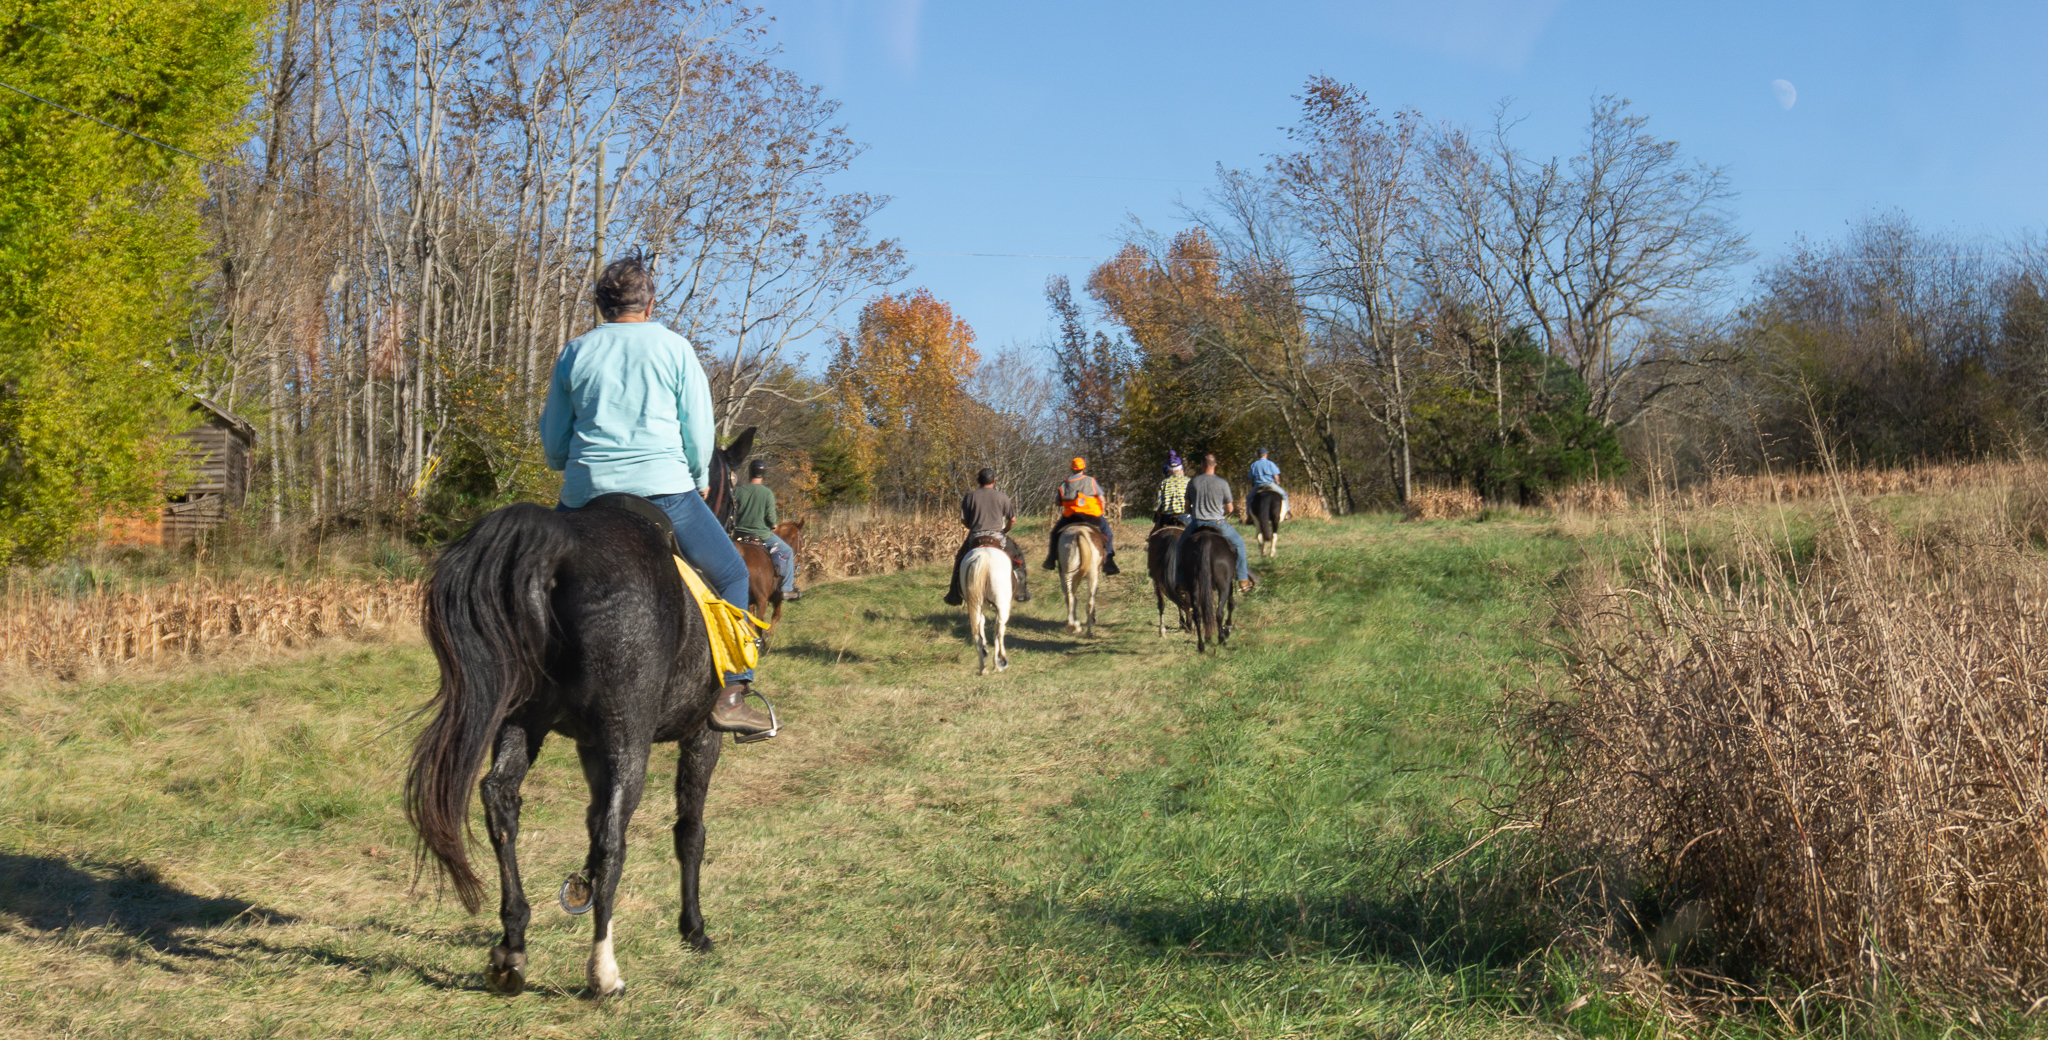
column 1080, row 553
column 985, row 578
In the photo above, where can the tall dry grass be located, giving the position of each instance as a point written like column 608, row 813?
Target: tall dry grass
column 66, row 634
column 1443, row 503
column 852, row 543
column 1832, row 772
column 1602, row 498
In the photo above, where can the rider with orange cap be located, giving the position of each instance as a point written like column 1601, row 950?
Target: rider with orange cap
column 1080, row 499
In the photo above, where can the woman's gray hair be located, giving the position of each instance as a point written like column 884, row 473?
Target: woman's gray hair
column 626, row 286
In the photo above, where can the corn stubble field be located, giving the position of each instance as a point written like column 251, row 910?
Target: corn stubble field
column 1765, row 761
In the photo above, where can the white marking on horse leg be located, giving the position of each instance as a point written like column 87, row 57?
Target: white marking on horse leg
column 603, row 971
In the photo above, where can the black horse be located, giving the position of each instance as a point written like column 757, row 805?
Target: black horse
column 1206, row 578
column 573, row 623
column 1159, row 564
column 1264, row 510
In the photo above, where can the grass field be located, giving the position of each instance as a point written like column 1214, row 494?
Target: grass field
column 1114, row 838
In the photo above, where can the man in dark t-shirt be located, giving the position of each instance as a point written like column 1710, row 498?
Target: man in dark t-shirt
column 1209, row 501
column 985, row 510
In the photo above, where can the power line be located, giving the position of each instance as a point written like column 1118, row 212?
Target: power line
column 1063, row 256
column 110, row 126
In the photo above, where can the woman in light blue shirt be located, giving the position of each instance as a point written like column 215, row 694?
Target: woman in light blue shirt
column 629, row 410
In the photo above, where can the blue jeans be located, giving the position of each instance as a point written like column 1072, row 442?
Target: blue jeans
column 1244, row 566
column 785, row 561
column 1284, row 497
column 709, row 549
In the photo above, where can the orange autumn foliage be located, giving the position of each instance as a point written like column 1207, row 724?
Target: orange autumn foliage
column 899, row 395
column 1157, row 300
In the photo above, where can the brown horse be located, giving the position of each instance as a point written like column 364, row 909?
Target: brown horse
column 764, row 592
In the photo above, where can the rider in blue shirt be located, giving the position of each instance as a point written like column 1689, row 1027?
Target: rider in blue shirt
column 1265, row 476
column 629, row 410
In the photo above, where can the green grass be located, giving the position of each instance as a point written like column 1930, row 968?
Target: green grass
column 1117, row 837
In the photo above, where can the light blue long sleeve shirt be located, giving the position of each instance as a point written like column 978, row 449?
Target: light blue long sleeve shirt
column 628, row 410
column 1265, row 471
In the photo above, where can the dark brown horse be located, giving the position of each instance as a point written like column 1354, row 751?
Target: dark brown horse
column 1266, row 509
column 1158, row 557
column 1208, row 567
column 573, row 623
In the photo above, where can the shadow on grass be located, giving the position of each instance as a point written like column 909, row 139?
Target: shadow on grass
column 809, row 650
column 953, row 624
column 1479, row 917
column 47, row 894
column 1437, row 931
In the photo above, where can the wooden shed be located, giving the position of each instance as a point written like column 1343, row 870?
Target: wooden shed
column 217, row 455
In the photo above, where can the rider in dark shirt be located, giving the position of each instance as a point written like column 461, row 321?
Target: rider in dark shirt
column 1209, row 501
column 986, row 511
column 753, row 515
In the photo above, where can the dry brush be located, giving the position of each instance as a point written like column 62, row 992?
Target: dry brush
column 1832, row 772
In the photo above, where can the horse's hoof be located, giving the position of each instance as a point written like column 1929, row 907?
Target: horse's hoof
column 698, row 942
column 506, row 973
column 577, row 894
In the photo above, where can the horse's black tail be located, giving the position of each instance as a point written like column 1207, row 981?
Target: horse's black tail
column 1205, row 591
column 486, row 617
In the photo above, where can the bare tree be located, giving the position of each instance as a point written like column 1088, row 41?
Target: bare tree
column 1350, row 195
column 436, row 184
column 1607, row 247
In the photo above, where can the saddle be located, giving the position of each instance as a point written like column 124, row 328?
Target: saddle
column 734, row 634
column 994, row 540
column 761, row 543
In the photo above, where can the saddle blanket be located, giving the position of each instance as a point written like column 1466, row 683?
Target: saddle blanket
column 735, row 633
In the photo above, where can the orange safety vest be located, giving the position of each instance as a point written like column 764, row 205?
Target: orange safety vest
column 1081, row 501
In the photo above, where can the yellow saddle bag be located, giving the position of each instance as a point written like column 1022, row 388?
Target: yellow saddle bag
column 735, row 633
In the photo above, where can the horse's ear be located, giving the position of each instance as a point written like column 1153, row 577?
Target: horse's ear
column 741, row 447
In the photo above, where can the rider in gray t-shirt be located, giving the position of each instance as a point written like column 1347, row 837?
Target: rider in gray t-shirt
column 1209, row 497
column 1209, row 502
column 988, row 511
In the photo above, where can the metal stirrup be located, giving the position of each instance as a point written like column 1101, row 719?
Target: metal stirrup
column 774, row 723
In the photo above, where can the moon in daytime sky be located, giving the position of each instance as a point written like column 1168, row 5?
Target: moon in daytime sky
column 1787, row 94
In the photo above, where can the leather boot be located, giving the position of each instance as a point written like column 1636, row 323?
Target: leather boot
column 1109, row 565
column 1023, row 587
column 732, row 714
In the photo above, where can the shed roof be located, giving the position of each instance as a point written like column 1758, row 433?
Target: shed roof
column 242, row 427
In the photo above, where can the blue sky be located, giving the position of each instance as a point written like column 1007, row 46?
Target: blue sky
column 1041, row 128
